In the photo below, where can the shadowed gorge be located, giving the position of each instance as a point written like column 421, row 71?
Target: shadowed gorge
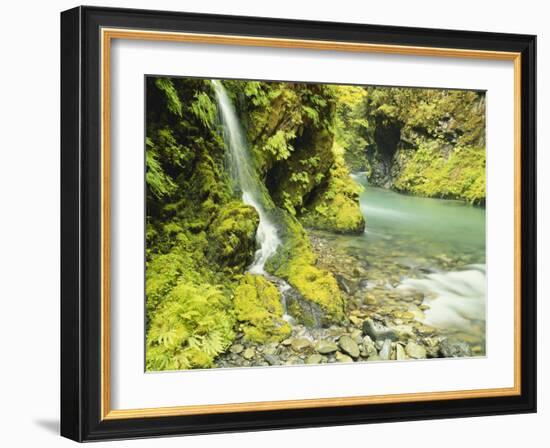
column 269, row 240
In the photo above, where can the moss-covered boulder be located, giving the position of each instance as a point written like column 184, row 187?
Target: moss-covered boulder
column 335, row 207
column 232, row 236
column 259, row 310
column 320, row 300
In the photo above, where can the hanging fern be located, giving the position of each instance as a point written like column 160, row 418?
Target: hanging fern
column 204, row 109
column 172, row 99
column 159, row 183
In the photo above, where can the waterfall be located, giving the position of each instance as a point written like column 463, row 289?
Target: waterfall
column 244, row 175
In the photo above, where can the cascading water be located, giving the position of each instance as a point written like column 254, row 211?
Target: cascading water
column 244, row 175
column 456, row 298
column 424, row 235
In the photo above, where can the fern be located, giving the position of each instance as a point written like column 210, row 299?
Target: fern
column 204, row 109
column 172, row 99
column 190, row 328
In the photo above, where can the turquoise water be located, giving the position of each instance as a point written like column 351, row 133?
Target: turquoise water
column 432, row 233
column 433, row 246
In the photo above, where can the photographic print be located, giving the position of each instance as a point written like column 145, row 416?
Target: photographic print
column 231, row 217
column 294, row 223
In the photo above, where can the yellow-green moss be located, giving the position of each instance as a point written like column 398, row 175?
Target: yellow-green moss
column 336, row 207
column 295, row 262
column 190, row 328
column 259, row 310
column 461, row 175
column 232, row 236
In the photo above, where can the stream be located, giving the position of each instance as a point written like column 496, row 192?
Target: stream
column 418, row 272
column 432, row 246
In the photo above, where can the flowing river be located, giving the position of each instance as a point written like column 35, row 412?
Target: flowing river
column 420, row 260
column 433, row 246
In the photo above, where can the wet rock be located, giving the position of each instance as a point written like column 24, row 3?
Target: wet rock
column 314, row 359
column 270, row 349
column 293, row 360
column 300, row 344
column 272, row 360
column 356, row 335
column 425, row 330
column 377, row 331
column 237, row 348
column 304, row 311
column 454, row 349
column 345, row 284
column 385, row 351
column 369, row 348
column 403, row 331
column 349, row 346
column 326, row 347
column 340, row 357
column 400, row 353
column 415, row 350
column 249, row 353
column 370, row 299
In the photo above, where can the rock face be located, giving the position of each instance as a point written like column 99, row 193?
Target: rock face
column 377, row 331
column 349, row 346
column 454, row 349
column 436, row 152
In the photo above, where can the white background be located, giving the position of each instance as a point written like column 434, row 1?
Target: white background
column 29, row 244
column 133, row 388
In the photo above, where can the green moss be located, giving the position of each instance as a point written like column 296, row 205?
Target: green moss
column 336, row 206
column 295, row 262
column 259, row 310
column 232, row 236
column 190, row 328
column 459, row 176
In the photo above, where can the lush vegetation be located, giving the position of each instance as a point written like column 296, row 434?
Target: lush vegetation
column 304, row 140
column 428, row 142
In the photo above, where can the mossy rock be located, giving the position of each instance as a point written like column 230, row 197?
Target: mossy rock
column 459, row 175
column 232, row 236
column 335, row 206
column 259, row 309
column 295, row 262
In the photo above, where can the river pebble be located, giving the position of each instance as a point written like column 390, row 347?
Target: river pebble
column 349, row 346
column 415, row 350
column 326, row 347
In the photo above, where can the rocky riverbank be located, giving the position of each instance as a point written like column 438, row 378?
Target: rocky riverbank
column 383, row 321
